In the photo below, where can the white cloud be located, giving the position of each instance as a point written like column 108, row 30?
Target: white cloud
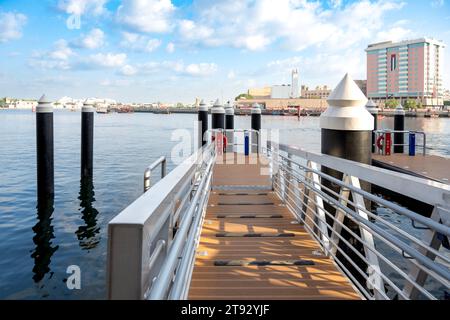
column 128, row 70
column 437, row 3
column 170, row 48
column 11, row 25
column 315, row 68
column 61, row 51
column 201, row 69
column 57, row 58
column 175, row 67
column 394, row 34
column 106, row 60
column 191, row 31
column 296, row 24
column 79, row 7
column 151, row 16
column 139, row 43
column 231, row 75
column 93, row 40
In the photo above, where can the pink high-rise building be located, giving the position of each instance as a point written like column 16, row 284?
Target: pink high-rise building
column 408, row 69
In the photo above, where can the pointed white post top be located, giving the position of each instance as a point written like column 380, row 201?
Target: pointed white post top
column 372, row 107
column 399, row 110
column 256, row 108
column 202, row 106
column 44, row 105
column 347, row 94
column 229, row 108
column 347, row 109
column 88, row 106
column 217, row 107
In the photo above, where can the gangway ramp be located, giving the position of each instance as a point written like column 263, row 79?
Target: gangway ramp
column 252, row 247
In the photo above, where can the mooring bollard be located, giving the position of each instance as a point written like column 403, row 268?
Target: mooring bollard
column 256, row 127
column 217, row 116
column 399, row 125
column 346, row 132
column 229, row 126
column 412, row 144
column 203, row 119
column 373, row 109
column 44, row 149
column 87, row 140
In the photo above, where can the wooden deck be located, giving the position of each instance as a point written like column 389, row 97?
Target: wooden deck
column 428, row 166
column 251, row 246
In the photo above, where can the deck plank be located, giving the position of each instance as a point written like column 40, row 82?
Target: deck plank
column 319, row 281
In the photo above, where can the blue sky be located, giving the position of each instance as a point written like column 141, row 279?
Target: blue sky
column 163, row 50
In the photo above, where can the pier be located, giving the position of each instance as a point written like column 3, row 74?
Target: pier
column 425, row 166
column 275, row 221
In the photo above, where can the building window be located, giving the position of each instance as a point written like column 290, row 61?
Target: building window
column 393, row 62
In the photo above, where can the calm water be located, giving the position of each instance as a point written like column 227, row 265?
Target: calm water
column 36, row 247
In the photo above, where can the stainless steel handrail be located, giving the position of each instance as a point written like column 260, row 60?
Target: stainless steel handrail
column 148, row 172
column 146, row 239
column 299, row 181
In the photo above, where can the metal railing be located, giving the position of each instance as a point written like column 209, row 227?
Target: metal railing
column 406, row 137
column 384, row 259
column 151, row 243
column 386, row 250
column 148, row 172
column 235, row 135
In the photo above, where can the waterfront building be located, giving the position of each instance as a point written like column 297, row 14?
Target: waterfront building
column 283, row 104
column 295, row 92
column 281, row 91
column 263, row 92
column 362, row 84
column 21, row 104
column 320, row 92
column 410, row 69
column 284, row 91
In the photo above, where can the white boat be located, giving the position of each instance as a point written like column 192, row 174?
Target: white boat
column 101, row 108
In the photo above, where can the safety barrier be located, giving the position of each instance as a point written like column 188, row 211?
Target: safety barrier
column 384, row 260
column 385, row 141
column 151, row 243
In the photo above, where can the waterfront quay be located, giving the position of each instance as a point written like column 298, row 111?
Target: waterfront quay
column 303, row 112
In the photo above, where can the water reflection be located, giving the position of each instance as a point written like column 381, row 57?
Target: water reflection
column 88, row 234
column 43, row 238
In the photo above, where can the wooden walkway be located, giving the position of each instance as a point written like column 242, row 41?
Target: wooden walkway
column 251, row 246
column 428, row 166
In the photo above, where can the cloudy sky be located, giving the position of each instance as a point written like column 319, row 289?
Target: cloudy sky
column 163, row 50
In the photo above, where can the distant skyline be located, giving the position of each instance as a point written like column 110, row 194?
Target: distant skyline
column 175, row 51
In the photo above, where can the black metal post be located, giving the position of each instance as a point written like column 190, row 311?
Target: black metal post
column 44, row 149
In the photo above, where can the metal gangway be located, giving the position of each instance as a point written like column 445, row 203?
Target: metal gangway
column 337, row 239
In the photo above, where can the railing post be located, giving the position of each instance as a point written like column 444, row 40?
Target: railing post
column 203, row 119
column 256, row 126
column 229, row 127
column 373, row 109
column 399, row 125
column 412, row 144
column 430, row 238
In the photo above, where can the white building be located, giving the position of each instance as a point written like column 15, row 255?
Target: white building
column 281, row 91
column 295, row 92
